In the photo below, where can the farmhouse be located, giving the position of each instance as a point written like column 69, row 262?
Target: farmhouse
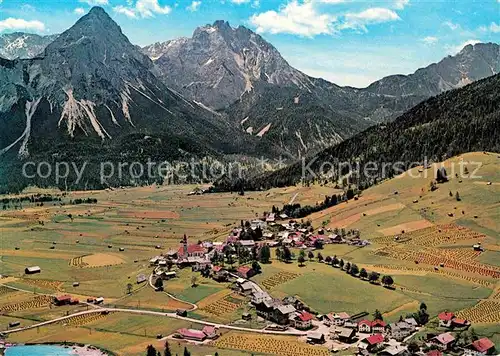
column 245, row 272
column 282, row 314
column 445, row 319
column 344, row 334
column 62, row 300
column 395, row 350
column 302, row 320
column 32, row 270
column 316, row 338
column 372, row 342
column 480, row 347
column 401, row 330
column 365, row 326
column 443, row 341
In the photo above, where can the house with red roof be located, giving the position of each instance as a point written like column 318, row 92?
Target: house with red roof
column 302, row 320
column 245, row 272
column 459, row 323
column 443, row 341
column 372, row 342
column 365, row 326
column 378, row 326
column 62, row 300
column 480, row 347
column 445, row 319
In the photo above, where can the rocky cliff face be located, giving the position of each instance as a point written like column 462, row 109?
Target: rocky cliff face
column 23, row 45
column 220, row 63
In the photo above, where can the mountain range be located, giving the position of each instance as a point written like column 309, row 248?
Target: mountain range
column 92, row 95
column 23, row 45
column 457, row 121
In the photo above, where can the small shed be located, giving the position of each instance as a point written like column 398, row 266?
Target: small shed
column 32, row 270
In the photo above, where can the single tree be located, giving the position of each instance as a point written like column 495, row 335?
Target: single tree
column 354, row 269
column 256, row 267
column 287, row 254
column 347, row 267
column 265, row 254
column 423, row 306
column 279, row 254
column 129, row 288
column 302, row 258
column 151, row 351
column 363, row 274
column 159, row 283
column 186, row 352
column 167, row 351
column 328, row 260
column 341, row 263
column 335, row 261
column 194, row 279
column 387, row 281
column 319, row 256
column 310, row 255
column 377, row 315
column 374, row 276
column 457, row 196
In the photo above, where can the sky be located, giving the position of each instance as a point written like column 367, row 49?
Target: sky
column 348, row 42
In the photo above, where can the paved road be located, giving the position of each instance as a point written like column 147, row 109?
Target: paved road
column 194, row 306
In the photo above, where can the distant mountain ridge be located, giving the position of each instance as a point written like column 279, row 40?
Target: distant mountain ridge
column 23, row 45
column 473, row 62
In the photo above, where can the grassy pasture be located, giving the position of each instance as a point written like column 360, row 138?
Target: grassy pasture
column 138, row 219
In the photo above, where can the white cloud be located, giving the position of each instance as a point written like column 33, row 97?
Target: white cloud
column 21, row 24
column 294, row 18
column 457, row 49
column 27, row 7
column 332, row 1
column 400, row 4
column 79, row 11
column 239, row 2
column 374, row 15
column 256, row 4
column 142, row 8
column 493, row 27
column 430, row 40
column 195, row 5
column 127, row 11
column 95, row 2
column 451, row 25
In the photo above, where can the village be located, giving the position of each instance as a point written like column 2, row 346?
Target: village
column 251, row 244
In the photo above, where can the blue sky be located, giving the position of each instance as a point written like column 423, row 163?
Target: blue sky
column 349, row 42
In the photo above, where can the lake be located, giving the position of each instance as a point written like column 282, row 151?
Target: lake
column 38, row 350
